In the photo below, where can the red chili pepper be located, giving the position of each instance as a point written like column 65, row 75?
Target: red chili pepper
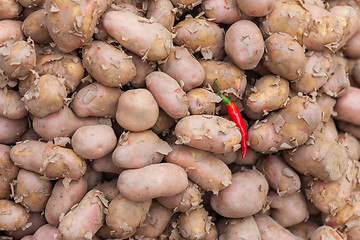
column 236, row 117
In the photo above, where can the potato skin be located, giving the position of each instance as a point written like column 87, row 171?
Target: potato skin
column 193, row 225
column 110, row 66
column 168, row 94
column 352, row 144
column 163, row 179
column 137, row 110
column 327, row 231
column 351, row 49
column 244, row 44
column 139, row 149
column 222, row 11
column 200, row 35
column 62, row 198
column 163, row 123
column 161, row 10
column 9, row 9
column 34, row 26
column 35, row 219
column 86, row 218
column 66, row 28
column 47, row 159
column 242, row 228
column 347, row 105
column 149, row 40
column 93, row 142
column 143, row 68
column 202, row 167
column 244, row 197
column 10, row 29
column 8, row 171
column 11, row 105
column 11, row 129
column 206, row 132
column 105, row 165
column 202, row 101
column 12, row 216
column 256, row 9
column 47, row 231
column 184, row 68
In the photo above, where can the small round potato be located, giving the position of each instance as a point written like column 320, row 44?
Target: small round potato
column 137, row 110
column 92, row 142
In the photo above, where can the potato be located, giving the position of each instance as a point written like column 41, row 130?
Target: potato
column 227, row 158
column 350, row 128
column 280, row 176
column 351, row 14
column 202, row 167
column 163, row 123
column 148, row 39
column 288, row 210
column 17, row 59
column 11, row 129
column 271, row 230
column 268, row 94
column 47, row 232
column 354, row 71
column 8, row 171
column 304, row 229
column 143, row 68
column 250, row 159
column 12, row 215
column 31, row 3
column 92, row 177
column 327, row 231
column 34, row 222
column 47, row 159
column 244, row 44
column 46, row 96
column 200, row 35
column 155, row 223
column 137, row 110
column 110, row 66
column 161, row 11
column 353, row 229
column 71, row 24
column 84, row 220
column 184, row 68
column 194, row 224
column 93, row 142
column 168, row 94
column 63, row 197
column 10, row 29
column 320, row 157
column 351, row 49
column 351, row 144
column 347, row 105
column 187, row 200
column 11, row 105
column 212, row 234
column 244, row 197
column 62, row 123
column 245, row 228
column 163, row 179
column 258, row 9
column 222, row 11
column 32, row 191
column 123, row 224
column 326, row 104
column 210, row 133
column 34, row 26
column 136, row 150
column 329, row 130
column 96, row 100
column 284, row 56
column 288, row 128
column 189, row 4
column 109, row 189
column 105, row 164
column 316, row 72
column 202, row 101
column 10, row 9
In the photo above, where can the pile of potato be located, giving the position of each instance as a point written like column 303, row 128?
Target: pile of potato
column 111, row 126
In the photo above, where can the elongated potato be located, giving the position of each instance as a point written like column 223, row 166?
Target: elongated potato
column 11, row 105
column 200, row 35
column 184, row 68
column 244, row 197
column 136, row 150
column 163, row 179
column 63, row 197
column 110, row 66
column 12, row 215
column 9, row 9
column 194, row 224
column 161, row 11
column 47, row 159
column 71, row 24
column 11, row 129
column 244, row 44
column 168, row 94
column 62, row 123
column 148, row 39
column 34, row 26
column 202, row 167
column 210, row 133
column 137, row 110
column 83, row 221
column 8, row 171
column 241, row 228
column 202, row 101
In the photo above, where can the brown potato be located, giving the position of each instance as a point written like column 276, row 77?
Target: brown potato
column 12, row 129
column 12, row 216
column 162, row 12
column 143, row 68
column 109, row 189
column 184, row 68
column 256, row 9
column 244, row 197
column 11, row 105
column 189, row 4
column 194, row 224
column 146, row 38
column 10, row 9
column 105, row 164
column 168, row 94
column 137, row 110
column 304, row 229
column 48, row 159
column 136, row 150
column 351, row 49
column 34, row 222
column 327, row 231
column 202, row 101
column 163, row 179
column 31, row 3
column 163, row 123
column 244, row 44
column 92, row 177
column 8, row 171
column 34, row 26
column 110, row 66
column 200, row 35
